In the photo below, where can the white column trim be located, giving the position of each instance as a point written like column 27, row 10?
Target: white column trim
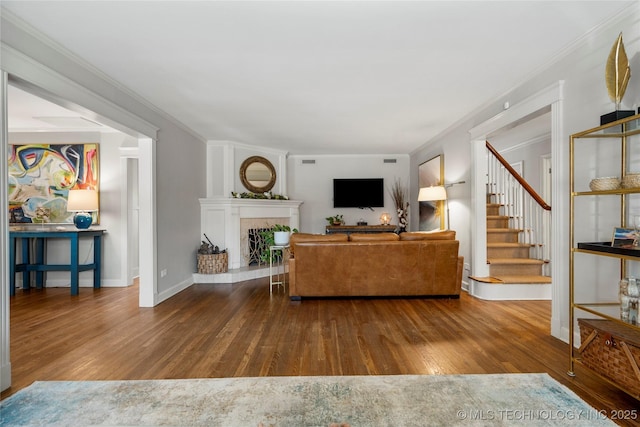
column 550, row 97
column 148, row 229
column 5, row 359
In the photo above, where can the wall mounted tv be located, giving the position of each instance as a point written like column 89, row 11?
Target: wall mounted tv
column 358, row 193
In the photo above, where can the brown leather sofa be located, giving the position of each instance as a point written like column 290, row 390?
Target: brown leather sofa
column 382, row 264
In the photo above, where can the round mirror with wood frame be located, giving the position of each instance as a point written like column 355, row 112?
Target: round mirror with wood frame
column 257, row 174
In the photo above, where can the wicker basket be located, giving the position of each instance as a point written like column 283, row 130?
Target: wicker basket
column 606, row 183
column 631, row 180
column 214, row 263
column 612, row 350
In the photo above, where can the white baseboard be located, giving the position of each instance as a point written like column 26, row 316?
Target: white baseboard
column 509, row 292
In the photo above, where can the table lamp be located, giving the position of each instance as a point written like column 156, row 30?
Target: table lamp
column 82, row 202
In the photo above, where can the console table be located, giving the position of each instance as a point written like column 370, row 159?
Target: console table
column 41, row 235
column 348, row 229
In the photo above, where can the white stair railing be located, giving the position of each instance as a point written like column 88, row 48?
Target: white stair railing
column 527, row 211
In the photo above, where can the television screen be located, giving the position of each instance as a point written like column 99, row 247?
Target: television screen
column 358, row 193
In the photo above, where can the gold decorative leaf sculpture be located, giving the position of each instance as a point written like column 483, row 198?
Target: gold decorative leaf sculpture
column 618, row 72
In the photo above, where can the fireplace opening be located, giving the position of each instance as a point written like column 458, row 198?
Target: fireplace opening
column 257, row 245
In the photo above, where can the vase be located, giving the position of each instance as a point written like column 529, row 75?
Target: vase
column 281, row 238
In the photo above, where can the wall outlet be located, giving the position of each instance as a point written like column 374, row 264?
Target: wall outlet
column 163, row 272
column 467, row 267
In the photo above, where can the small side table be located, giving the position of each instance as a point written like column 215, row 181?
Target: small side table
column 275, row 273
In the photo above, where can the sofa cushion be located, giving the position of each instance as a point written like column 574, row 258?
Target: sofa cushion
column 370, row 237
column 310, row 237
column 429, row 235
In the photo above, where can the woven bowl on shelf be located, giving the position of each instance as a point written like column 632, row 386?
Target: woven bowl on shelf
column 631, row 180
column 605, row 183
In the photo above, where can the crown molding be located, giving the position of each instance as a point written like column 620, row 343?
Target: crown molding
column 59, row 49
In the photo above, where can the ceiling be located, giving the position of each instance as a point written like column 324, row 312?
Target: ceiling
column 313, row 77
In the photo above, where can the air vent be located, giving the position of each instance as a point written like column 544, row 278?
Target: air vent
column 308, row 162
column 390, row 160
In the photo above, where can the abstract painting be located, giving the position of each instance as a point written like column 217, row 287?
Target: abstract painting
column 431, row 173
column 41, row 175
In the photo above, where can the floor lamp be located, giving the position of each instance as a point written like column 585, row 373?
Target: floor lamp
column 437, row 193
column 434, row 194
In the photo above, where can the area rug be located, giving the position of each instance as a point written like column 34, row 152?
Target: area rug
column 396, row 400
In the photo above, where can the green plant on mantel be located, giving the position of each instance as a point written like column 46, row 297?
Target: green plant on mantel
column 268, row 240
column 335, row 220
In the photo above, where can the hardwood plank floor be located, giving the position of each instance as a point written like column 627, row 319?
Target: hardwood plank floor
column 240, row 330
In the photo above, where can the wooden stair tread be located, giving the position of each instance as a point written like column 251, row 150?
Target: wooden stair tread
column 506, row 280
column 503, row 230
column 508, row 245
column 498, row 217
column 515, row 261
column 524, row 279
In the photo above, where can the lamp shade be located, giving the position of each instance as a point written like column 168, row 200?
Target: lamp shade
column 82, row 201
column 428, row 194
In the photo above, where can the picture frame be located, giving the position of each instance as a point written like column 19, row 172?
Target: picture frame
column 41, row 175
column 624, row 238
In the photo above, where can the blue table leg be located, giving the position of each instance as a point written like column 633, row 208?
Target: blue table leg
column 12, row 266
column 74, row 265
column 97, row 260
column 40, row 244
column 26, row 261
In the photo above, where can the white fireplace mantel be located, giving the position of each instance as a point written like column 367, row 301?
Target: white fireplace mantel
column 220, row 220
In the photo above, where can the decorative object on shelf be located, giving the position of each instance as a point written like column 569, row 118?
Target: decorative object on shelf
column 269, row 239
column 633, row 291
column 42, row 215
column 631, row 180
column 82, row 202
column 605, row 183
column 361, row 222
column 267, row 195
column 617, row 74
column 624, row 238
column 335, row 220
column 399, row 196
column 211, row 259
column 623, row 298
column 385, row 218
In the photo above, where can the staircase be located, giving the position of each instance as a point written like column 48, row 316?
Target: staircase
column 509, row 260
column 518, row 236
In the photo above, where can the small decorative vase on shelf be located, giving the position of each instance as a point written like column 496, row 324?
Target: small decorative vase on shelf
column 624, row 299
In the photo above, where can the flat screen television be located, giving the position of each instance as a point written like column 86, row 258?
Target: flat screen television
column 358, row 193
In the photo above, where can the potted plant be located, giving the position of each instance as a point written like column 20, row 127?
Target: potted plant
column 335, row 220
column 278, row 235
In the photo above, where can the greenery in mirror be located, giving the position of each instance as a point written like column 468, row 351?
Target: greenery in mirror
column 268, row 239
column 266, row 195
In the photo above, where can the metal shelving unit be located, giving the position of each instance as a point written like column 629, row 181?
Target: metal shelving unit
column 613, row 142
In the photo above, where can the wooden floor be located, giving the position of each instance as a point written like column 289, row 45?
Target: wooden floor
column 241, row 330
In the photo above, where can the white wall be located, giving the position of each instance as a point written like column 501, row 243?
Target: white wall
column 110, row 197
column 585, row 100
column 313, row 184
column 527, row 143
